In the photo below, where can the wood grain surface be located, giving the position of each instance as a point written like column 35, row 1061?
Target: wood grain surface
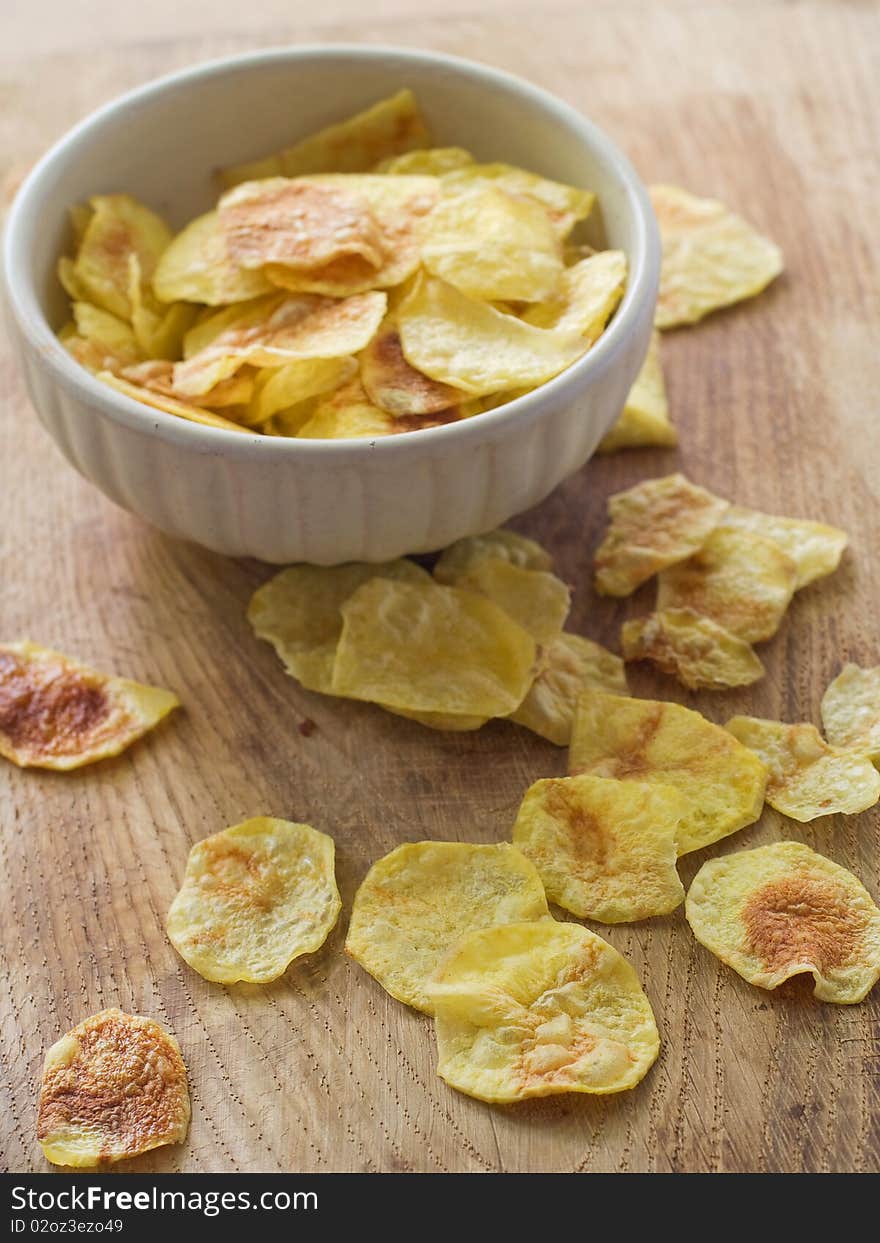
column 766, row 105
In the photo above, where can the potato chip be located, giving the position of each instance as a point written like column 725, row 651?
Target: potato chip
column 158, row 376
column 653, row 525
column 695, row 649
column 422, row 898
column 536, row 1009
column 110, row 342
column 567, row 666
column 644, row 420
column 279, row 388
column 565, row 205
column 57, row 713
column 171, row 405
column 70, row 282
column 427, row 648
column 299, row 613
column 851, row 711
column 815, row 548
column 196, row 268
column 784, row 910
column 652, row 741
column 604, row 849
column 118, row 228
column 254, row 898
column 491, row 244
column 807, row 777
column 388, row 128
column 738, row 579
column 458, row 558
column 113, row 1087
column 433, row 162
column 347, row 413
column 395, row 386
column 159, row 329
column 585, row 298
column 711, row 257
column 537, row 600
column 465, row 343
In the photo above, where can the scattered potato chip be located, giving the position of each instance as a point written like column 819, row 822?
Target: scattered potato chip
column 851, row 710
column 57, row 713
column 427, row 648
column 536, row 1009
column 585, row 298
column 815, row 548
column 254, row 898
column 113, row 1087
column 652, row 741
column 118, row 228
column 695, row 649
column 422, row 898
column 433, row 162
column 565, row 205
column 653, row 525
column 468, row 344
column 395, row 386
column 807, row 777
column 196, row 268
column 386, row 129
column 604, row 849
column 536, row 599
column 183, row 409
column 711, row 257
column 278, row 388
column 738, row 579
column 456, row 560
column 784, row 910
column 644, row 420
column 567, row 666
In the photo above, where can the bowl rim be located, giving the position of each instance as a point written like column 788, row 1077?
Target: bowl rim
column 23, row 303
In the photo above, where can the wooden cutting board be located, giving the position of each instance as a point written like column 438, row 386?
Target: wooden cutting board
column 765, row 105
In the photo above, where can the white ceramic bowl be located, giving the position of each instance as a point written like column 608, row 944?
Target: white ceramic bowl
column 331, row 500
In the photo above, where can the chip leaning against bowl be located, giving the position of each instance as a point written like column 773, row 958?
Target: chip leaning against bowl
column 359, row 283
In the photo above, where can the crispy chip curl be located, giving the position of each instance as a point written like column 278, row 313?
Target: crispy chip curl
column 397, row 387
column 695, row 649
column 585, row 299
column 468, row 344
column 537, row 600
column 565, row 205
column 422, row 898
column 458, row 558
column 57, row 713
column 386, row 129
column 653, row 741
column 118, row 228
column 807, row 777
column 784, row 910
column 113, row 1087
column 711, row 258
column 427, row 648
column 566, row 667
column 536, row 1009
column 644, row 420
column 196, row 268
column 279, row 388
column 814, row 547
column 851, row 710
column 604, row 849
column 254, row 898
column 171, row 405
column 653, row 525
column 738, row 579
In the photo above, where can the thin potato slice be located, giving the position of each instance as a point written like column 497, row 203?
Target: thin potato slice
column 279, row 388
column 567, row 666
column 519, row 550
column 711, row 257
column 422, row 898
column 395, row 386
column 109, row 341
column 254, row 898
column 653, row 525
column 586, row 297
column 784, row 910
column 347, row 413
column 171, row 405
column 158, row 376
column 565, row 205
column 694, row 649
column 427, row 648
column 57, row 713
column 807, row 777
column 537, row 600
column 113, row 1087
column 644, row 420
column 196, row 268
column 814, row 547
column 851, row 710
column 433, row 162
column 118, row 228
column 653, row 741
column 536, row 1009
column 738, row 579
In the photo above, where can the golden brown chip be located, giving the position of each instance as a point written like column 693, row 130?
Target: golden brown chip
column 644, row 420
column 851, row 710
column 738, row 579
column 418, row 901
column 565, row 205
column 394, row 385
column 57, row 713
column 113, row 1087
column 536, row 599
column 807, row 777
column 814, row 547
column 652, row 741
column 585, row 298
column 535, row 1009
column 519, row 550
column 254, row 898
column 196, row 268
column 118, row 228
column 694, row 649
column 784, row 910
column 711, row 258
column 604, row 849
column 171, row 405
column 567, row 666
column 653, row 525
